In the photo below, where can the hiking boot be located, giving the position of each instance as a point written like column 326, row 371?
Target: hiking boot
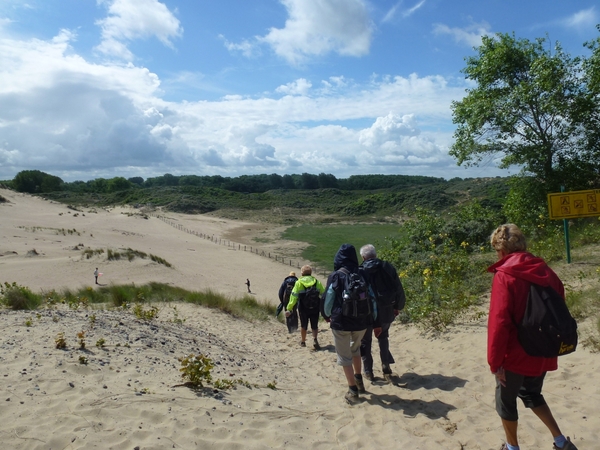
column 568, row 445
column 316, row 345
column 369, row 376
column 302, row 344
column 351, row 397
column 359, row 383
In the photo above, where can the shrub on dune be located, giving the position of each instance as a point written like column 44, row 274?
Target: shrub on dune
column 19, row 297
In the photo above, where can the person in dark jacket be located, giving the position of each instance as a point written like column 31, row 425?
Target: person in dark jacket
column 285, row 290
column 347, row 330
column 518, row 375
column 383, row 279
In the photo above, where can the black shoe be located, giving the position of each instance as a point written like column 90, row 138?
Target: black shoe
column 302, row 344
column 386, row 369
column 316, row 345
column 369, row 376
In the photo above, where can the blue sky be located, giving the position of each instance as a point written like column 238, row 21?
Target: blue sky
column 105, row 88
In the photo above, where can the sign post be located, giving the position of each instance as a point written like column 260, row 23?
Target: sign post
column 566, row 230
column 572, row 205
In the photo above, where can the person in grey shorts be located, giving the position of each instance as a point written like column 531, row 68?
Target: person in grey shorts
column 347, row 330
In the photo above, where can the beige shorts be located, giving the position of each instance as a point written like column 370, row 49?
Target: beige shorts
column 347, row 345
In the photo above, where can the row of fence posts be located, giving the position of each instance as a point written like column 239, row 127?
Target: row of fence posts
column 219, row 241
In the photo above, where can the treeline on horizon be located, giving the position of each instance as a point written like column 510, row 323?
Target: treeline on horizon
column 38, row 182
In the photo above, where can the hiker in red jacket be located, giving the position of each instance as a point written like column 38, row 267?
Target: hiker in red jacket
column 517, row 373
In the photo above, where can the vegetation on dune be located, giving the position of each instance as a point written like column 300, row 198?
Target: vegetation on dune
column 18, row 297
column 128, row 254
column 358, row 197
column 131, row 297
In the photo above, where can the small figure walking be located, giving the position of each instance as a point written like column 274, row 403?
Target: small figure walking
column 96, row 275
column 248, row 284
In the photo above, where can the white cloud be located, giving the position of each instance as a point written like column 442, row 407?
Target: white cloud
column 410, row 11
column 394, row 140
column 333, row 85
column 129, row 20
column 470, row 35
column 319, row 27
column 586, row 18
column 388, row 129
column 246, row 48
column 392, row 12
column 299, row 87
column 405, row 13
column 72, row 114
column 64, row 115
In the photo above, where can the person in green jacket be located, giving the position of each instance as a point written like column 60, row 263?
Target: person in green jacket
column 307, row 294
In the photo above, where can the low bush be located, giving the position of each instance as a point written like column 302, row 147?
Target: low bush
column 19, row 297
column 195, row 370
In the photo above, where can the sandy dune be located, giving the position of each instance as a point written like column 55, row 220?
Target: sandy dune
column 127, row 395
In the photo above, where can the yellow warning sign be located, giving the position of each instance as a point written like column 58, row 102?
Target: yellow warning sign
column 567, row 205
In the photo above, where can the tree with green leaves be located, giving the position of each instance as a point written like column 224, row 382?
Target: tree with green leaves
column 35, row 182
column 118, row 184
column 529, row 108
column 592, row 79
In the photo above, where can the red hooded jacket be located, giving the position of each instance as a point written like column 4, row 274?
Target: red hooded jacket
column 510, row 289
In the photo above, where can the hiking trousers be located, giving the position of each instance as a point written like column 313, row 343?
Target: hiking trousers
column 384, row 347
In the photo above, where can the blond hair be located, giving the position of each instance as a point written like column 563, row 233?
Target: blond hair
column 306, row 270
column 508, row 238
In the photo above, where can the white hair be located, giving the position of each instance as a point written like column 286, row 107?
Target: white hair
column 368, row 252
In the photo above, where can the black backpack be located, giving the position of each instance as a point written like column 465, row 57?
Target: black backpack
column 547, row 328
column 386, row 288
column 356, row 302
column 311, row 299
column 288, row 291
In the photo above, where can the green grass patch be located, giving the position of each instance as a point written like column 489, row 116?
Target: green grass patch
column 325, row 240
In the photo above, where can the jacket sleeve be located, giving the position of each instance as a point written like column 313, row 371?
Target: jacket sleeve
column 320, row 287
column 329, row 299
column 281, row 291
column 399, row 295
column 500, row 321
column 374, row 307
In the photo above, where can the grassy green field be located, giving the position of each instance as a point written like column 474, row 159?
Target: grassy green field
column 325, row 240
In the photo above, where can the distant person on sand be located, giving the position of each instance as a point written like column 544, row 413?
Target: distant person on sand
column 248, row 284
column 350, row 308
column 96, row 275
column 518, row 375
column 383, row 279
column 307, row 294
column 285, row 292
